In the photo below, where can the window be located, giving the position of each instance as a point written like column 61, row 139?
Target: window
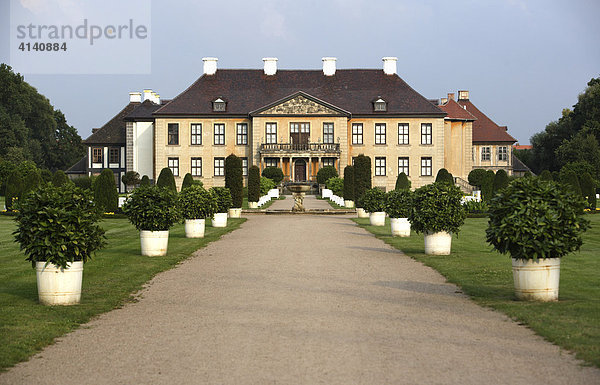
column 113, row 155
column 380, row 105
column 380, row 133
column 196, row 130
column 379, row 166
column 196, row 166
column 328, row 133
column 270, row 162
column 174, row 166
column 242, row 134
column 425, row 133
column 219, row 133
column 357, row 133
column 402, row 133
column 244, row 166
column 403, row 165
column 219, row 166
column 486, row 153
column 219, row 105
column 97, row 155
column 426, row 167
column 328, row 162
column 271, row 133
column 503, row 153
column 173, row 133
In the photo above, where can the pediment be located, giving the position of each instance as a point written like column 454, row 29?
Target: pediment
column 300, row 104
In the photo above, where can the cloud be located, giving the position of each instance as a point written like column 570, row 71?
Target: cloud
column 519, row 4
column 273, row 23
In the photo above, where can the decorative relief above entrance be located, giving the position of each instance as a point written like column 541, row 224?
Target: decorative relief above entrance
column 299, row 105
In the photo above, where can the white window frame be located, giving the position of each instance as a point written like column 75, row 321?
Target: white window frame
column 426, row 166
column 380, row 133
column 219, row 167
column 503, row 153
column 219, row 134
column 380, row 166
column 328, row 133
column 426, row 133
column 173, row 164
column 403, row 133
column 486, row 153
column 357, row 133
column 241, row 134
column 196, row 134
column 271, row 133
column 196, row 166
column 403, row 165
column 244, row 166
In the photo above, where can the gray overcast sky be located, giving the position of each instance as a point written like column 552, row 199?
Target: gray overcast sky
column 522, row 61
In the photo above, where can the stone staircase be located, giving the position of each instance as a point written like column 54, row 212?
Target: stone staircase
column 463, row 185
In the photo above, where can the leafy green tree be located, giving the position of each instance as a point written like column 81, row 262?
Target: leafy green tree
column 188, row 180
column 325, row 173
column 14, row 189
column 349, row 183
column 570, row 180
column 273, row 173
column 546, row 175
column 487, row 185
column 362, row 177
column 145, row 182
column 402, row 182
column 83, row 182
column 500, row 181
column 46, row 175
column 32, row 181
column 131, row 178
column 166, row 179
column 6, row 168
column 105, row 192
column 588, row 189
column 476, row 177
column 60, row 178
column 443, row 176
column 253, row 184
column 234, row 180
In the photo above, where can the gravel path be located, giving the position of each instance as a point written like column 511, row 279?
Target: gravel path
column 301, row 300
column 310, row 203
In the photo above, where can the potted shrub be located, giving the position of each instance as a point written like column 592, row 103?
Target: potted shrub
column 349, row 187
column 234, row 181
column 153, row 211
column 373, row 201
column 57, row 228
column 196, row 204
column 336, row 185
column 253, row 187
column 437, row 213
column 398, row 204
column 537, row 222
column 222, row 197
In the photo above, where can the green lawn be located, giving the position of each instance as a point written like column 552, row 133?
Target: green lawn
column 572, row 323
column 331, row 203
column 108, row 281
column 265, row 206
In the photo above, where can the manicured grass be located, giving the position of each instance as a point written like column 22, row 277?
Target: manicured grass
column 109, row 279
column 572, row 323
column 265, row 206
column 331, row 203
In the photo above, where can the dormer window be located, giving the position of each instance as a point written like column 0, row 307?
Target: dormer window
column 219, row 105
column 380, row 105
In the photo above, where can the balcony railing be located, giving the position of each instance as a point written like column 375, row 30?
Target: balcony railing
column 328, row 148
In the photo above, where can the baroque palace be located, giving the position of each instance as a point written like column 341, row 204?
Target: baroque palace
column 300, row 121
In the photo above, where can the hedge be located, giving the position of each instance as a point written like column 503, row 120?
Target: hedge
column 166, row 179
column 253, row 184
column 349, row 183
column 234, row 179
column 402, row 182
column 362, row 176
column 105, row 192
column 188, row 180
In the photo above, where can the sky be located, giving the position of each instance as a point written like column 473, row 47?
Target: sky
column 522, row 61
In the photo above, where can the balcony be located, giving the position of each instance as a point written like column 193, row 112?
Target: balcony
column 296, row 149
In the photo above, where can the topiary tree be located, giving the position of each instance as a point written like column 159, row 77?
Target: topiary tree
column 324, row 174
column 145, row 182
column 273, row 173
column 188, row 180
column 477, row 177
column 253, row 184
column 234, row 179
column 362, row 176
column 196, row 203
column 546, row 175
column 222, row 197
column 152, row 208
column 166, row 179
column 105, row 192
column 443, row 176
column 500, row 181
column 349, row 183
column 437, row 207
column 83, row 182
column 131, row 178
column 588, row 190
column 402, row 182
column 59, row 178
column 373, row 200
column 487, row 185
column 570, row 181
column 14, row 189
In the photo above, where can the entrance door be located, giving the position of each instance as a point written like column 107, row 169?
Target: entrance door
column 300, row 171
column 299, row 134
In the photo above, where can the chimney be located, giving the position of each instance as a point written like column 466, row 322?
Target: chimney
column 389, row 65
column 148, row 95
column 463, row 95
column 135, row 97
column 210, row 65
column 155, row 98
column 450, row 95
column 270, row 65
column 329, row 66
column 444, row 101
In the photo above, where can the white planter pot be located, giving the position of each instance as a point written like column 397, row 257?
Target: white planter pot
column 536, row 280
column 274, row 193
column 235, row 213
column 400, row 227
column 377, row 218
column 348, row 204
column 361, row 213
column 194, row 228
column 122, row 201
column 58, row 286
column 252, row 205
column 219, row 220
column 438, row 243
column 154, row 243
column 326, row 193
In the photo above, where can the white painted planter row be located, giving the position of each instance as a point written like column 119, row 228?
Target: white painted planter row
column 194, row 228
column 361, row 213
column 58, row 286
column 252, row 205
column 438, row 243
column 377, row 218
column 154, row 243
column 274, row 193
column 235, row 213
column 219, row 220
column 348, row 204
column 400, row 227
column 536, row 280
column 262, row 200
column 326, row 193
